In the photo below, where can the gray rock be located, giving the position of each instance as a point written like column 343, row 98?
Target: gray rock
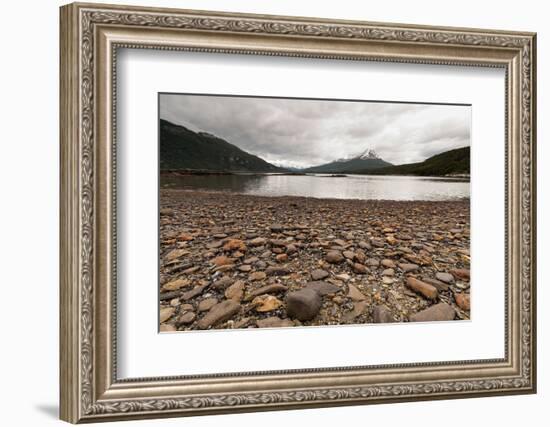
column 273, row 322
column 359, row 268
column 219, row 313
column 355, row 294
column 186, row 318
column 197, row 290
column 276, row 228
column 381, row 314
column 319, row 274
column 445, row 277
column 267, row 289
column 407, row 268
column 436, row 313
column 440, row 286
column 222, row 283
column 207, row 304
column 322, row 288
column 334, row 257
column 277, row 271
column 303, row 304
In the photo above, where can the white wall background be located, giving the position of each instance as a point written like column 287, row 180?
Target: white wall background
column 29, row 170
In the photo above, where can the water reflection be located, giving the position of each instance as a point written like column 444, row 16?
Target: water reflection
column 365, row 187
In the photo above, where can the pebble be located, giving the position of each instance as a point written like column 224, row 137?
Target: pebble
column 256, row 276
column 166, row 313
column 445, row 277
column 267, row 289
column 319, row 274
column 359, row 268
column 388, row 263
column 355, row 294
column 388, row 272
column 322, row 288
column 349, row 255
column 219, row 313
column 407, row 268
column 273, row 322
column 334, row 257
column 168, row 328
column 186, row 318
column 303, row 304
column 439, row 285
column 436, row 313
column 277, row 271
column 461, row 273
column 207, row 304
column 174, row 285
column 265, row 303
column 422, row 288
column 463, row 301
column 381, row 314
column 235, row 291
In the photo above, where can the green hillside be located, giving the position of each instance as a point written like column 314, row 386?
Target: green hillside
column 181, row 148
column 453, row 162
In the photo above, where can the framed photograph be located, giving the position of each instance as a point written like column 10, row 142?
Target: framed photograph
column 266, row 212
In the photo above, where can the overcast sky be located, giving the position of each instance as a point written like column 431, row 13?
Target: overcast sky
column 300, row 133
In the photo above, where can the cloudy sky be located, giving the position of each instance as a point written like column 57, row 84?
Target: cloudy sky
column 300, row 133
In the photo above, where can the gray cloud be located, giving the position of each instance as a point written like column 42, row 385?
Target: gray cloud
column 303, row 133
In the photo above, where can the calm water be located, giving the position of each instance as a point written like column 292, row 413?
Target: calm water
column 365, row 187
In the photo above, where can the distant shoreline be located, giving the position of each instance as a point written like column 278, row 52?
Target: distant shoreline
column 200, row 172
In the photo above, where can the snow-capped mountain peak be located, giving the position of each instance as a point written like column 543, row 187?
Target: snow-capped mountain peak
column 368, row 154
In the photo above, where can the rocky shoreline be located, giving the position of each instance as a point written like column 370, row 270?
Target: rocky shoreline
column 231, row 261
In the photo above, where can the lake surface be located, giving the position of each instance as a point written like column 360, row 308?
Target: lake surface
column 364, row 187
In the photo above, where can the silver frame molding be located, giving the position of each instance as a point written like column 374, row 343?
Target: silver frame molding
column 90, row 37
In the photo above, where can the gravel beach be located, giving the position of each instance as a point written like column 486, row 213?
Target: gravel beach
column 230, row 261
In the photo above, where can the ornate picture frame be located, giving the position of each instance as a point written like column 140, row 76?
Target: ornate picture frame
column 90, row 37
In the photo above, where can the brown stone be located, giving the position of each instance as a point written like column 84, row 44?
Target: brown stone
column 334, row 257
column 174, row 285
column 381, row 314
column 222, row 260
column 264, row 303
column 207, row 304
column 359, row 268
column 436, row 313
column 267, row 289
column 168, row 328
column 235, row 291
column 234, row 245
column 461, row 273
column 445, row 277
column 388, row 263
column 355, row 294
column 407, row 268
column 256, row 276
column 166, row 313
column 319, row 274
column 219, row 313
column 186, row 318
column 273, row 322
column 463, row 301
column 422, row 288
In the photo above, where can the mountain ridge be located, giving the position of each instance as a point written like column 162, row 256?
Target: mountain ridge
column 182, row 148
column 366, row 160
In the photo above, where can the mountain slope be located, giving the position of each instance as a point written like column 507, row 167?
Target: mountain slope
column 181, row 148
column 366, row 161
column 451, row 162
